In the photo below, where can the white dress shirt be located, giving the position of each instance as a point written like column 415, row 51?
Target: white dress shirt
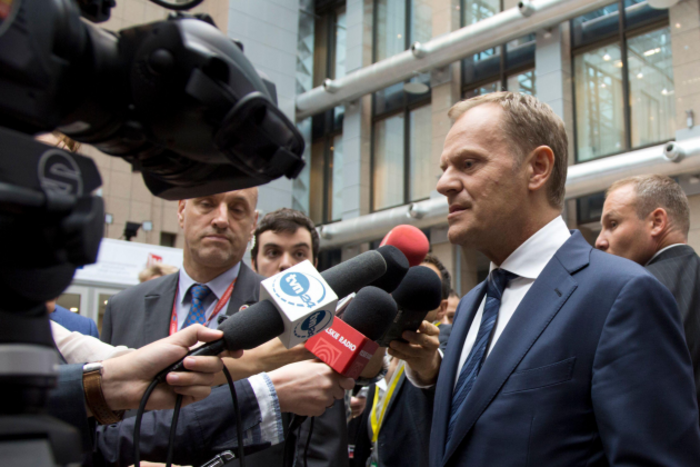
column 527, row 262
column 218, row 286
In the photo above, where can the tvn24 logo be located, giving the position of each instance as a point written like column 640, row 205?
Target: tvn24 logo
column 303, row 291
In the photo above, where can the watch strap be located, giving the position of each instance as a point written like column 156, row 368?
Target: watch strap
column 92, row 385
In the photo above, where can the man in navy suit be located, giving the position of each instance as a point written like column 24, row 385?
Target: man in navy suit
column 565, row 355
column 72, row 321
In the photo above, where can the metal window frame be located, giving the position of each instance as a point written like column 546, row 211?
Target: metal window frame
column 621, row 37
column 329, row 131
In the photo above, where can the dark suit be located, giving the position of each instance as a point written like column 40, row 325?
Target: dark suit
column 205, row 429
column 140, row 315
column 403, row 438
column 678, row 268
column 74, row 322
column 592, row 369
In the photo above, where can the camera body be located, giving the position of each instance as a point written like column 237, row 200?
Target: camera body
column 175, row 98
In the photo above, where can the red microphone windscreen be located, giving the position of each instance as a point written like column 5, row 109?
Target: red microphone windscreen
column 410, row 240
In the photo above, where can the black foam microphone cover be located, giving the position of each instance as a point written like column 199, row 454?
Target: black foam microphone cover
column 252, row 326
column 396, row 268
column 420, row 290
column 371, row 312
column 261, row 322
column 419, row 293
column 355, row 273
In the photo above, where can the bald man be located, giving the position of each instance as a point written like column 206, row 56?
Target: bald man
column 213, row 280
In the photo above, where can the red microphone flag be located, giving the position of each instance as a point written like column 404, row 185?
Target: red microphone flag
column 342, row 348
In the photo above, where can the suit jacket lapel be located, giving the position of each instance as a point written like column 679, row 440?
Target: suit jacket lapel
column 158, row 306
column 543, row 301
column 246, row 290
column 464, row 316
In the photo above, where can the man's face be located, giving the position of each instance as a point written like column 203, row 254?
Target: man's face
column 280, row 251
column 217, row 228
column 482, row 179
column 452, row 304
column 623, row 232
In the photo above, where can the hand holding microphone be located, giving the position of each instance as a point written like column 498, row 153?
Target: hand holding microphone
column 419, row 293
column 410, row 338
column 268, row 319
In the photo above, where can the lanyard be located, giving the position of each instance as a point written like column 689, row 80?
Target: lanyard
column 376, row 417
column 219, row 305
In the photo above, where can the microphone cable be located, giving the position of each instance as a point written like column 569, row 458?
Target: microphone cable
column 176, row 415
column 308, row 442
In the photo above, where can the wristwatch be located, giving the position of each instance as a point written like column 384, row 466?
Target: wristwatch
column 95, row 399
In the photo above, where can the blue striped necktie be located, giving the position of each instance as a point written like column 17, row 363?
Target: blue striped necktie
column 498, row 280
column 197, row 312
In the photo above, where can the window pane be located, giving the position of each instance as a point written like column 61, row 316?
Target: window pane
column 481, row 90
column 651, row 87
column 599, row 103
column 421, row 20
column 316, row 196
column 390, row 17
column 388, row 162
column 523, row 82
column 486, row 64
column 389, row 99
column 595, row 25
column 337, row 178
column 474, row 11
column 421, row 138
column 305, row 52
column 638, row 12
column 340, row 44
column 520, row 52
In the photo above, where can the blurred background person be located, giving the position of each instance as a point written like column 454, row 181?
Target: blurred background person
column 71, row 321
column 156, row 270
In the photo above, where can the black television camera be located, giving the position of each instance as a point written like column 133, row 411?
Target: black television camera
column 175, row 98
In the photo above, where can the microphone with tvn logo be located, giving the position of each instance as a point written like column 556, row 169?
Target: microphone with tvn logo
column 348, row 344
column 296, row 304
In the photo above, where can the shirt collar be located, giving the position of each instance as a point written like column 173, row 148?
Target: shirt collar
column 218, row 285
column 661, row 251
column 530, row 258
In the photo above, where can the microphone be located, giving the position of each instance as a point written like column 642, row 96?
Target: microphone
column 410, row 240
column 348, row 344
column 266, row 319
column 396, row 268
column 419, row 293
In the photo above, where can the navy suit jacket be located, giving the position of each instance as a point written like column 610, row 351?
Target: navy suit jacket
column 591, row 370
column 74, row 322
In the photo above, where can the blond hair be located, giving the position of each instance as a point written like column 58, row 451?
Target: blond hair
column 156, row 270
column 527, row 124
column 658, row 191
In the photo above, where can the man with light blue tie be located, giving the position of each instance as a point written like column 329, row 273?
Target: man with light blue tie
column 564, row 355
column 213, row 281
